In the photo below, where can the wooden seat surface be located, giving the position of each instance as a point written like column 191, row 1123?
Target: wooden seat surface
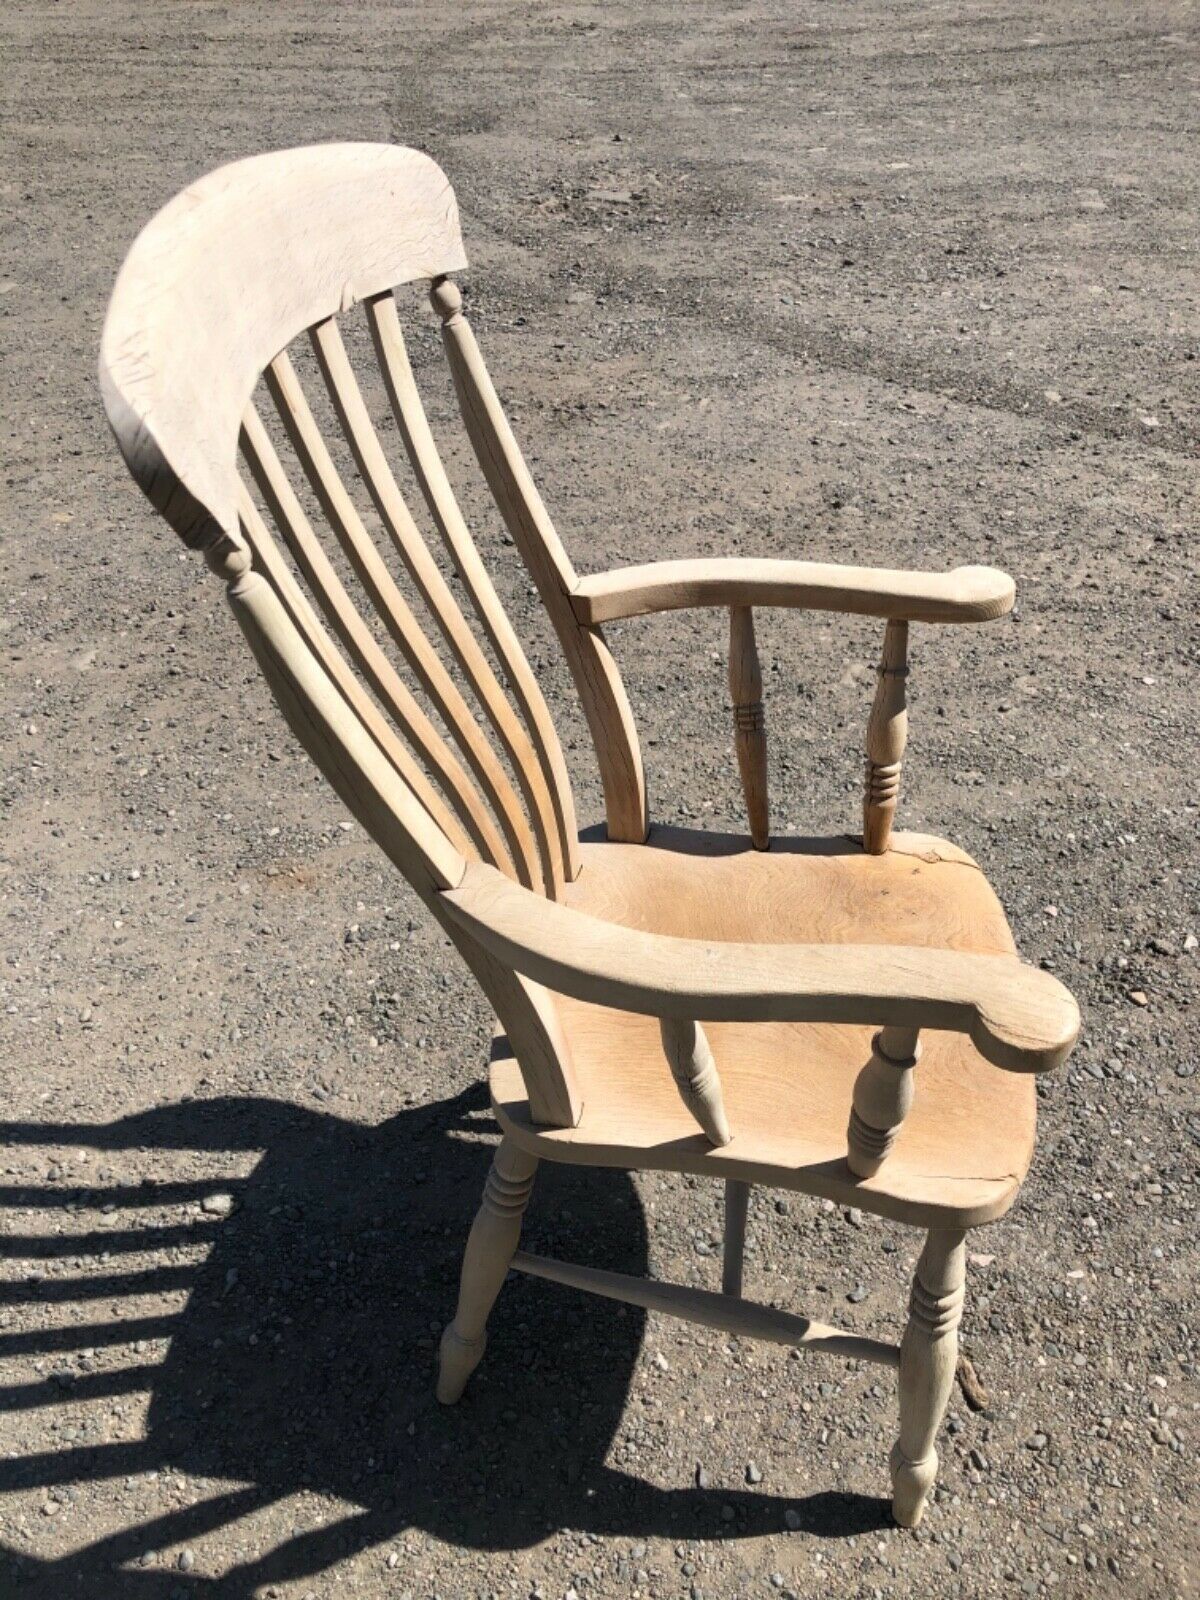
column 966, row 1144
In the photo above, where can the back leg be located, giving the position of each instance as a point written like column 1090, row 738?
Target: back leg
column 491, row 1245
column 737, row 1203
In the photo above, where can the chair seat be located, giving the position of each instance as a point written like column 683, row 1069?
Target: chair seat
column 967, row 1142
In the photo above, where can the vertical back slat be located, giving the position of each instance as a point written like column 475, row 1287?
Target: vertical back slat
column 595, row 672
column 305, row 437
column 339, row 744
column 749, row 724
column 426, row 462
column 267, row 471
column 376, row 473
column 232, row 271
column 269, row 561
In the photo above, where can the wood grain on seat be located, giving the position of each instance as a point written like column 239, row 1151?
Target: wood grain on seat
column 698, row 885
column 963, row 1149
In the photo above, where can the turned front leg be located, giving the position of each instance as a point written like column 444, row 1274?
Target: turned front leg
column 883, row 1095
column 928, row 1357
column 491, row 1245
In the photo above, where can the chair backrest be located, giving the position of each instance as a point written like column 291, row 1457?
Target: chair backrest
column 219, row 284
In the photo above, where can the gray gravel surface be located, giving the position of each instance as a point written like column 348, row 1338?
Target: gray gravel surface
column 909, row 285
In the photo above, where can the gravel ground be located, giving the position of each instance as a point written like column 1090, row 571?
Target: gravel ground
column 785, row 278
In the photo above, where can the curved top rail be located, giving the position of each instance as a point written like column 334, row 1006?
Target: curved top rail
column 226, row 275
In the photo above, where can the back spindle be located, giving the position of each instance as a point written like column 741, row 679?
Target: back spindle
column 749, row 722
column 887, row 732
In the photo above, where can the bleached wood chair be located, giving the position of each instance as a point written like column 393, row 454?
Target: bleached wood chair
column 839, row 1018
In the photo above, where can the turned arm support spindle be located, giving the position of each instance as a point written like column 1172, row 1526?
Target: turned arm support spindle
column 887, row 732
column 883, row 1093
column 695, row 1073
column 749, row 724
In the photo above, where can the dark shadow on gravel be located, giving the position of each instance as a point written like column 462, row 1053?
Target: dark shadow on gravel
column 303, row 1357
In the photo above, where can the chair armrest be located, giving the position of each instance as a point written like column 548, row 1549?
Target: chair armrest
column 968, row 594
column 1019, row 1017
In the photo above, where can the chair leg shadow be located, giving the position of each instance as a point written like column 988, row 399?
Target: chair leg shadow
column 303, row 1357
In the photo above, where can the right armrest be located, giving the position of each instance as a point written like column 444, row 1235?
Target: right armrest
column 1019, row 1017
column 967, row 594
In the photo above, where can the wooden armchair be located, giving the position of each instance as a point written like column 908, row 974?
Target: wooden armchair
column 842, row 1018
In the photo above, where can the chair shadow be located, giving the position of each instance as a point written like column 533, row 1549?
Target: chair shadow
column 710, row 843
column 303, row 1357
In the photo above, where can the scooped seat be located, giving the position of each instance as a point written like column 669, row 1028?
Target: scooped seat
column 967, row 1142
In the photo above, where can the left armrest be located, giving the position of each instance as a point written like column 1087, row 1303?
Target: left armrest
column 1019, row 1017
column 967, row 594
